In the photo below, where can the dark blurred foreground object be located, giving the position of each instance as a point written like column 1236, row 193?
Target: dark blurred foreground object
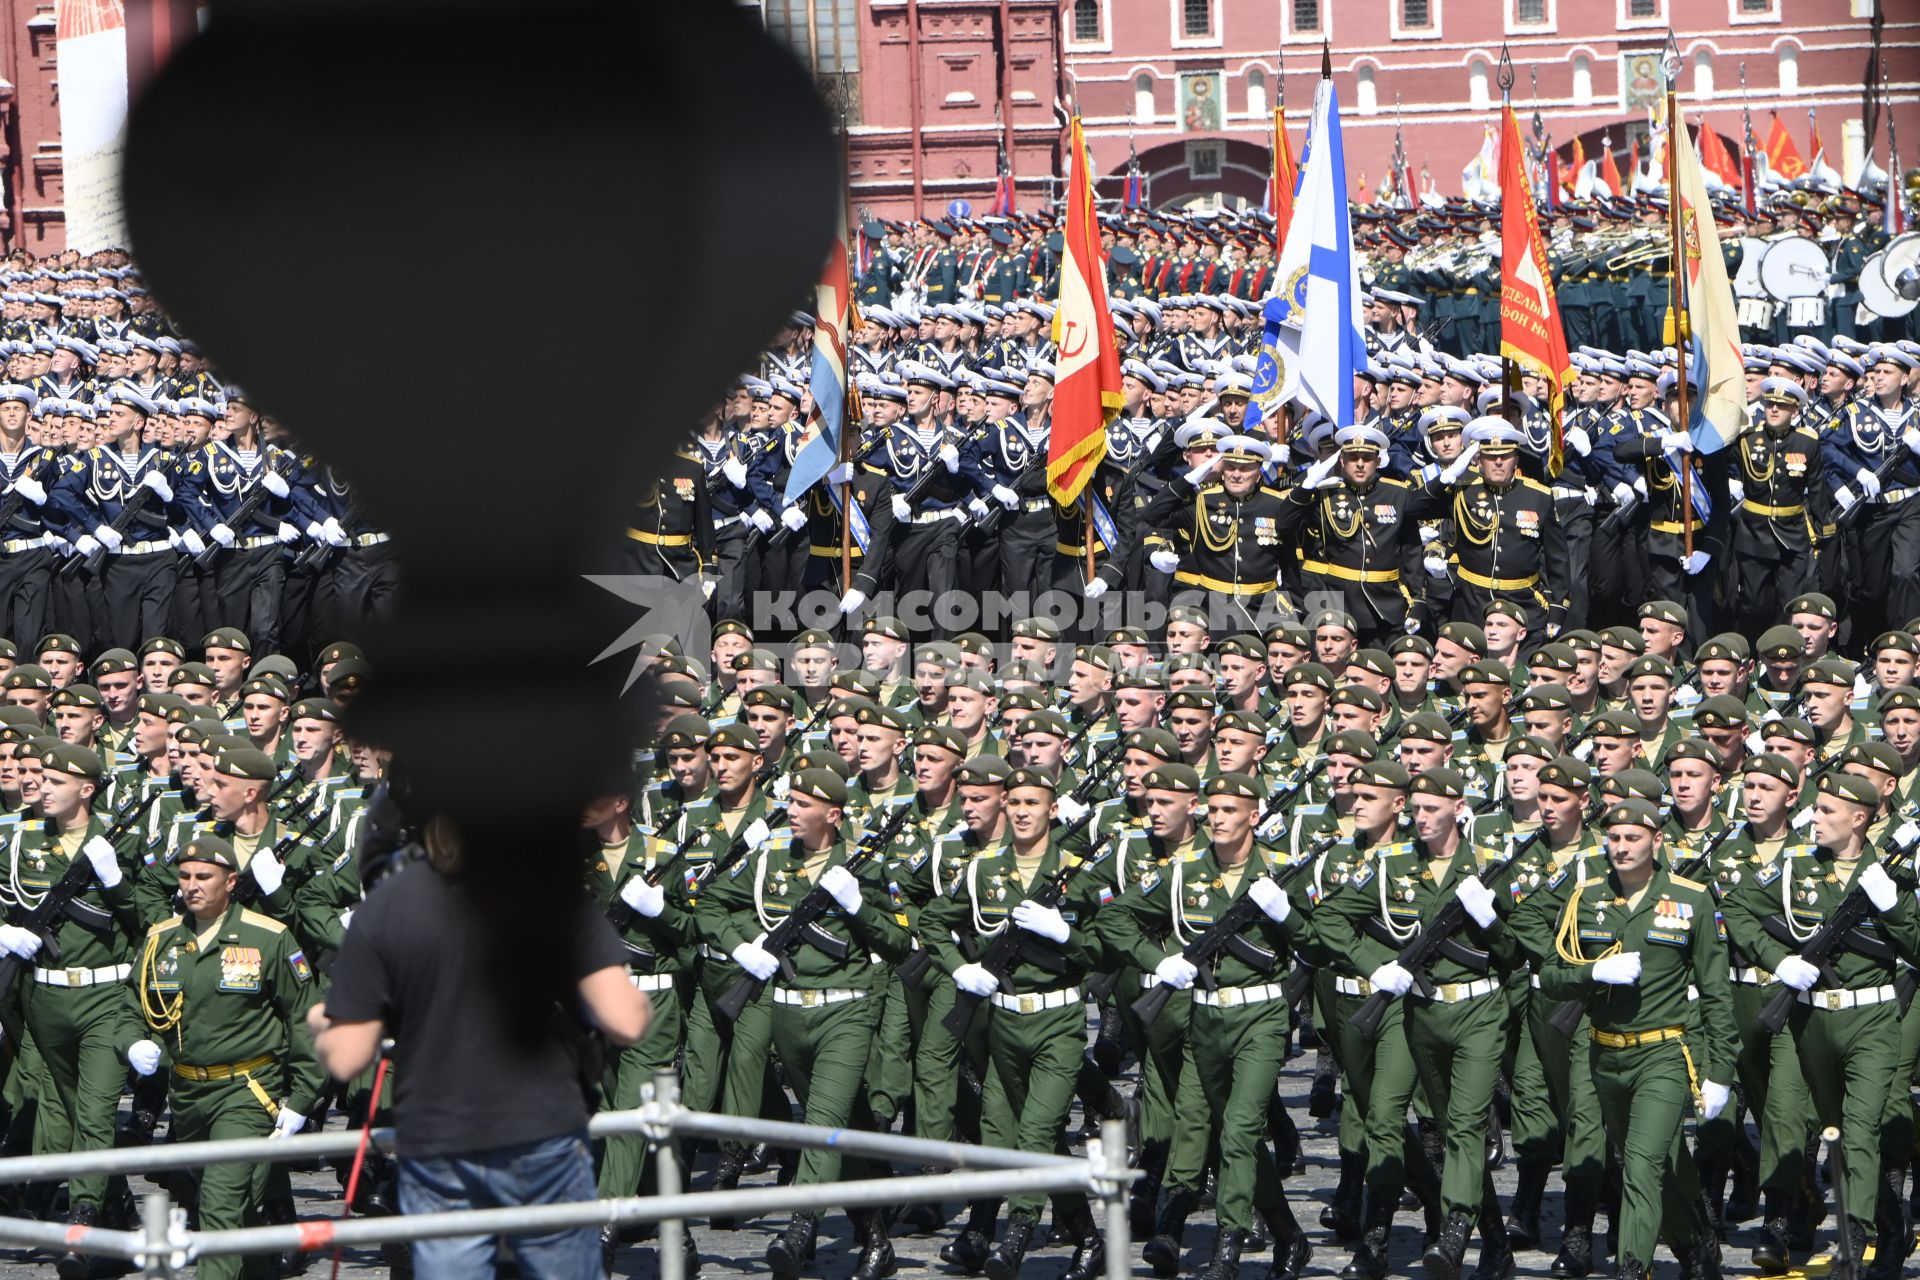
column 394, row 179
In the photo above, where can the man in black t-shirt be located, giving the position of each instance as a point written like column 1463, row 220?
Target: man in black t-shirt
column 412, row 966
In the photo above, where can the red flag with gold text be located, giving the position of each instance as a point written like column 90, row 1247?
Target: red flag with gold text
column 1531, row 334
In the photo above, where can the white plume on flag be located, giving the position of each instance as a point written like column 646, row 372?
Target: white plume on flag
column 1480, row 179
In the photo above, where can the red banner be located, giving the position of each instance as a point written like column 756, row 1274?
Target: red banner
column 1782, row 158
column 1531, row 334
column 1086, row 394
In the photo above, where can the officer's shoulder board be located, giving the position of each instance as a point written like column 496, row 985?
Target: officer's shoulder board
column 259, row 921
column 1393, row 483
column 163, row 926
column 1591, row 881
column 1535, row 485
column 1269, row 489
column 1685, row 883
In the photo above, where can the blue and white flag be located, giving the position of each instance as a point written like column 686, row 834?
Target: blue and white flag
column 835, row 315
column 1317, row 279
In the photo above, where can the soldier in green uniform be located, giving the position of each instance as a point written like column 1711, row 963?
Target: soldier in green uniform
column 1631, row 943
column 223, row 992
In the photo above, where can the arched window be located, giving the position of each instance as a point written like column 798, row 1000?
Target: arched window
column 1365, row 98
column 1789, row 68
column 1256, row 92
column 1582, row 78
column 1143, row 98
column 1703, row 74
column 1477, row 82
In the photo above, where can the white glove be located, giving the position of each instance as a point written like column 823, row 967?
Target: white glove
column 1675, row 442
column 287, row 533
column 106, row 862
column 1070, row 810
column 109, row 537
column 735, row 471
column 756, row 960
column 1199, row 475
column 901, row 511
column 1796, row 973
column 274, row 483
column 979, row 508
column 30, row 489
column 842, row 474
column 1640, row 485
column 268, row 872
column 17, row 941
column 975, row 981
column 1909, row 438
column 1428, row 532
column 1879, row 888
column 1736, row 490
column 144, row 1057
column 1392, row 976
column 1869, row 482
column 158, row 483
column 1175, row 971
column 1477, row 899
column 950, row 459
column 1755, row 743
column 1576, row 439
column 314, row 530
column 1905, row 834
column 1045, row 921
column 1686, row 696
column 1592, row 495
column 1005, row 497
column 1435, row 565
column 1844, row 496
column 850, row 603
column 1622, row 494
column 794, row 518
column 1619, row 970
column 346, row 918
column 1166, row 560
column 221, row 534
column 173, row 539
column 839, row 882
column 1696, row 562
column 287, row 1123
column 192, row 541
column 760, row 520
column 647, row 899
column 1094, row 589
column 1321, row 473
column 1458, row 467
column 708, row 586
column 86, row 544
column 1713, row 1099
column 1270, row 898
column 332, row 533
column 1802, row 818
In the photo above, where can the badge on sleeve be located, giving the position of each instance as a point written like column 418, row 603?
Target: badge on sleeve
column 301, row 969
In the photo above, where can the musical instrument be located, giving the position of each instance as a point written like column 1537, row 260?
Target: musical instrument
column 1876, row 290
column 1794, row 267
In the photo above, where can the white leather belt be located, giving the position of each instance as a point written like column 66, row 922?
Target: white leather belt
column 1038, row 1001
column 1855, row 999
column 23, row 544
column 1458, row 992
column 1033, row 505
column 144, row 548
column 250, row 544
column 1231, row 997
column 1353, row 986
column 94, row 977
column 1751, row 976
column 935, row 517
column 1891, row 496
column 811, row 999
column 1562, row 491
column 651, row 981
column 727, row 522
column 369, row 539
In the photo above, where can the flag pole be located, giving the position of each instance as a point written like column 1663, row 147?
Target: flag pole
column 1086, row 512
column 1676, row 295
column 1505, row 77
column 851, row 400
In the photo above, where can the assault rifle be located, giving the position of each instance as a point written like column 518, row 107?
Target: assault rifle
column 256, row 495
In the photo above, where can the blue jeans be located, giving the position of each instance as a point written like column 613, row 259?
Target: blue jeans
column 551, row 1171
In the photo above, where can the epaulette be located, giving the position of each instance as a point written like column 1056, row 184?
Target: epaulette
column 163, row 926
column 1591, row 881
column 1214, row 487
column 259, row 921
column 1396, row 483
column 1685, row 883
column 1278, row 493
column 1535, row 485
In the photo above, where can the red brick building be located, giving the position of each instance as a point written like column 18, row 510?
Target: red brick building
column 937, row 89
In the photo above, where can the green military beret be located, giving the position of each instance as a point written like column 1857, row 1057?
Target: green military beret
column 268, row 687
column 1311, row 673
column 1024, row 700
column 1664, row 611
column 1729, row 646
column 1632, row 813
column 983, row 771
column 1792, row 728
column 208, row 848
column 245, row 762
column 338, row 651
column 57, row 642
column 1243, row 646
column 1581, row 641
column 943, row 736
column 821, row 784
column 757, row 660
column 1466, row 635
column 1507, row 609
column 8, row 649
column 1847, row 786
column 1191, row 700
column 1532, row 746
column 1148, row 675
column 736, row 735
column 1373, row 661
column 1628, row 638
column 167, row 644
column 1155, row 742
column 1125, row 635
column 938, row 653
column 1485, row 671
column 1874, row 755
column 77, row 695
column 1697, row 749
column 1380, row 773
column 1902, row 697
column 1613, row 724
column 1547, row 697
column 1829, row 671
column 1046, row 721
column 675, row 694
column 350, row 673
column 195, row 731
column 1351, row 742
column 159, row 705
column 1358, row 695
column 1244, row 721
column 1189, row 614
column 10, row 714
column 1439, row 781
column 975, row 643
column 1035, row 629
column 1411, row 644
column 1904, row 641
column 1722, row 711
column 971, row 678
column 1096, row 655
column 1554, row 657
column 865, row 683
column 1426, row 726
column 1231, row 784
column 186, row 673
column 279, row 666
column 1333, row 618
column 27, row 675
column 1172, row 777
column 886, row 717
column 1773, row 765
column 1635, row 782
column 772, row 695
column 1777, row 644
column 685, row 731
column 1568, row 772
column 1815, row 603
column 315, row 709
column 226, row 638
column 821, row 758
column 113, row 662
column 14, row 734
column 667, row 664
column 1651, row 664
column 733, row 627
column 76, row 761
column 1032, row 778
column 812, row 638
